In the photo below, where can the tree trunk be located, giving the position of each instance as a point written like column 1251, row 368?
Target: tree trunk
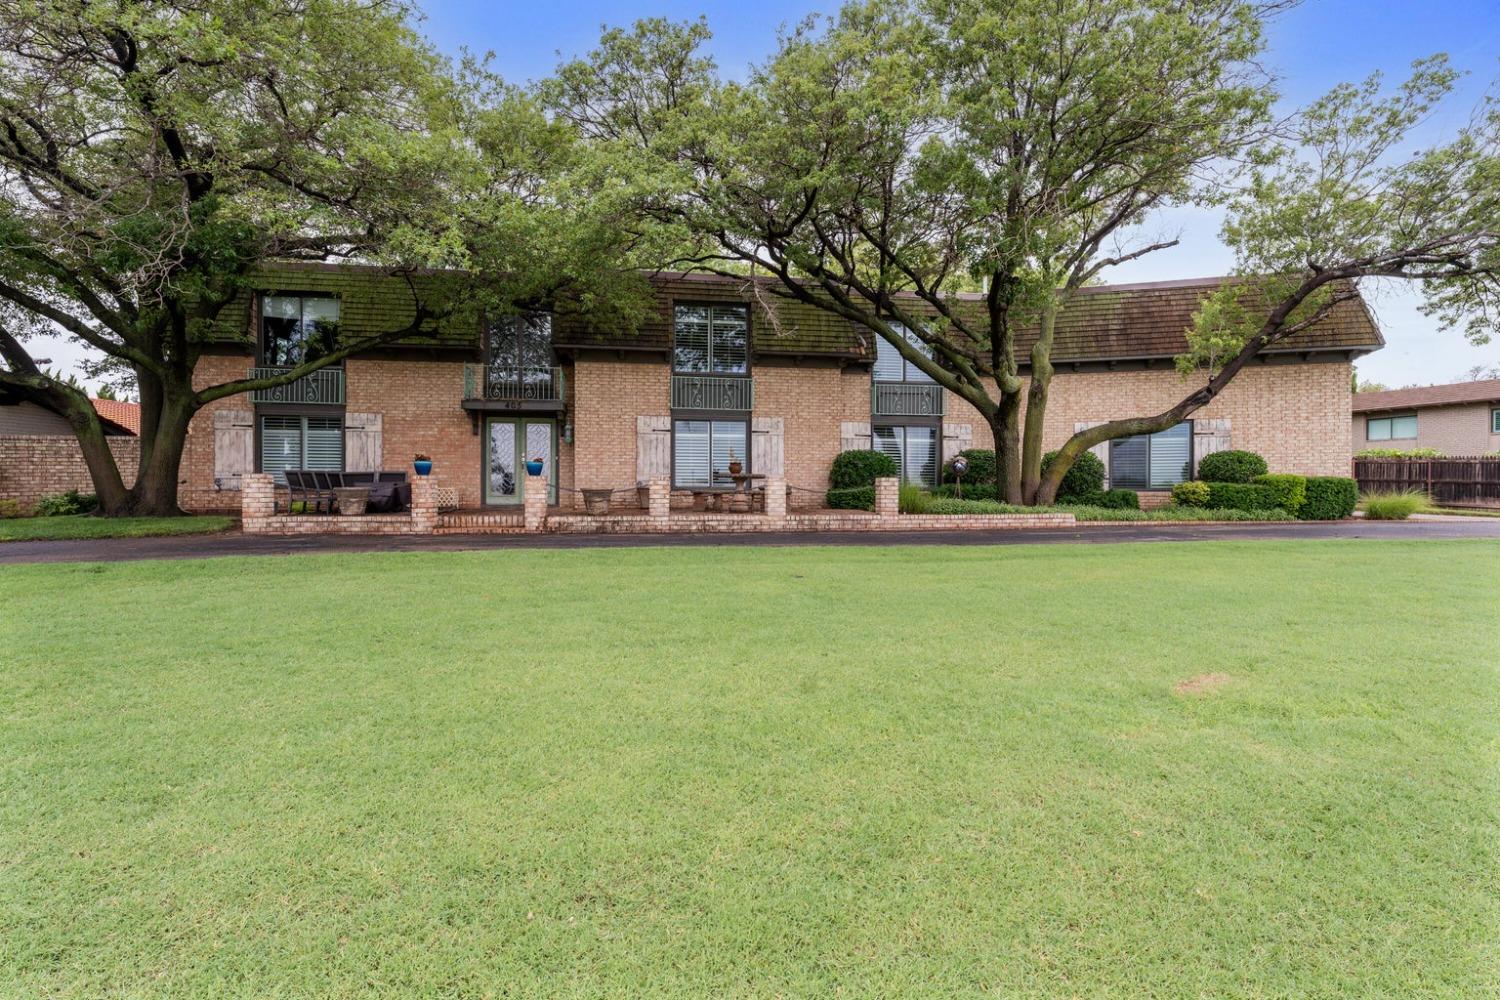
column 1007, row 430
column 104, row 471
column 155, row 490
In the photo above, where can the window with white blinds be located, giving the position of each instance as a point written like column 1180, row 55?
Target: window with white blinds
column 1152, row 461
column 890, row 366
column 296, row 442
column 914, row 450
column 701, row 448
column 711, row 339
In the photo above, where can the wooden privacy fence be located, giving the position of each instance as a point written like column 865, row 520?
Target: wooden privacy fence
column 1468, row 482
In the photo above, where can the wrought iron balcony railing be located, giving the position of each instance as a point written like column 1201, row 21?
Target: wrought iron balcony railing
column 517, row 385
column 906, row 399
column 713, row 392
column 326, row 385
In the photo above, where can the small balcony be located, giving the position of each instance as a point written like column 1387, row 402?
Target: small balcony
column 513, row 385
column 324, row 386
column 713, row 392
column 906, row 399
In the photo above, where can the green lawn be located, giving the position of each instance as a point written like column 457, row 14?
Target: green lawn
column 32, row 529
column 726, row 771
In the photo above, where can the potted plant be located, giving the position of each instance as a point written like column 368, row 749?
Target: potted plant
column 534, row 467
column 735, row 466
column 422, row 463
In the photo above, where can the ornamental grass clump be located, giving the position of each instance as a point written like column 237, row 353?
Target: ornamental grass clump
column 1393, row 505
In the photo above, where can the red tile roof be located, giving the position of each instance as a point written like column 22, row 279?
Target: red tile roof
column 127, row 415
column 1485, row 391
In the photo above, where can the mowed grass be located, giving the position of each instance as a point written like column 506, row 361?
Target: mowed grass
column 755, row 772
column 32, row 529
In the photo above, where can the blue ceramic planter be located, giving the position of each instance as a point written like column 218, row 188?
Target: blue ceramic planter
column 533, row 468
column 423, row 468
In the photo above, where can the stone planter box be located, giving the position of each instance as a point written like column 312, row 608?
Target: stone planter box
column 352, row 500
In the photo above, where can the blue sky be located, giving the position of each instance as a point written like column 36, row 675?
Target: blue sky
column 1313, row 47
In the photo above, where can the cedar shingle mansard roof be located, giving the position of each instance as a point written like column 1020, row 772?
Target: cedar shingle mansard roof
column 1103, row 323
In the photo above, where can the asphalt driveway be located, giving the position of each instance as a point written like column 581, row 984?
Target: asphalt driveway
column 237, row 544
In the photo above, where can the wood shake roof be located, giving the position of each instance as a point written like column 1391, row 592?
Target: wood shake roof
column 1102, row 323
column 1483, row 391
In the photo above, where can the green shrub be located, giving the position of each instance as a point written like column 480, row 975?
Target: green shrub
column 852, row 469
column 1291, row 490
column 981, row 468
column 855, row 498
column 1193, row 493
column 1083, row 481
column 1118, row 499
column 1329, row 498
column 972, row 491
column 1231, row 467
column 1393, row 505
column 1400, row 453
column 913, row 499
column 949, row 505
column 1176, row 514
column 64, row 504
column 10, row 508
column 1241, row 496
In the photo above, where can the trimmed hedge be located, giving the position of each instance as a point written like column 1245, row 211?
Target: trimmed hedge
column 972, row 491
column 852, row 469
column 1291, row 489
column 1231, row 467
column 1118, row 499
column 1080, row 483
column 981, row 468
column 854, row 498
column 1193, row 493
column 1242, row 496
column 1400, row 453
column 1329, row 498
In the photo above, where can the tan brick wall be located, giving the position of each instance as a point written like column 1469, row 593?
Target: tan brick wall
column 421, row 405
column 1463, row 429
column 609, row 395
column 195, row 484
column 1293, row 415
column 1297, row 416
column 41, row 465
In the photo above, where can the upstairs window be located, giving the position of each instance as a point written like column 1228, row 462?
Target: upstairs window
column 1391, row 428
column 711, row 339
column 519, row 347
column 296, row 329
column 890, row 366
column 1152, row 461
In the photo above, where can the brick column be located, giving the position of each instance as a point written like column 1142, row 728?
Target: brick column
column 424, row 512
column 887, row 496
column 659, row 503
column 775, row 497
column 534, row 498
column 257, row 501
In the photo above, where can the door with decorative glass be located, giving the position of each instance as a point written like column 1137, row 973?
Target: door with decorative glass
column 509, row 442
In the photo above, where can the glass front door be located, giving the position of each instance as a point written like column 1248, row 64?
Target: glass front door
column 508, row 444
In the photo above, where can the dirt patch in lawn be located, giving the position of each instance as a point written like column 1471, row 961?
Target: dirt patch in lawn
column 1202, row 684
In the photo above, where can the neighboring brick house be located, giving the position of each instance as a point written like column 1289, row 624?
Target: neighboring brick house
column 715, row 374
column 39, row 455
column 1458, row 419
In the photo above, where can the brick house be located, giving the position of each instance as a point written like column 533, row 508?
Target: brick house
column 717, row 372
column 1458, row 419
column 39, row 454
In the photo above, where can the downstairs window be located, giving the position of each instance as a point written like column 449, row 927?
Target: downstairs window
column 703, row 449
column 296, row 442
column 915, row 449
column 1152, row 461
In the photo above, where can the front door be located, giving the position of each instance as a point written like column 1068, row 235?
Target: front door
column 508, row 443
